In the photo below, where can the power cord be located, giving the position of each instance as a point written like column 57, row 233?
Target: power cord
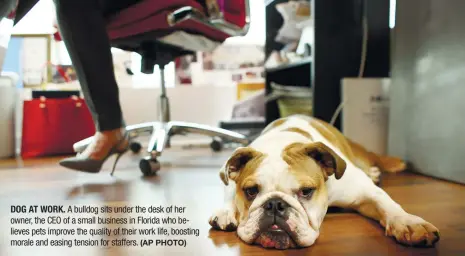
column 362, row 58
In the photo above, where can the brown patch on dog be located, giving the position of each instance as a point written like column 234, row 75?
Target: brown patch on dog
column 224, row 178
column 367, row 158
column 309, row 175
column 362, row 157
column 308, row 172
column 274, row 124
column 299, row 156
column 243, row 163
column 333, row 135
column 242, row 203
column 391, row 164
column 299, row 131
column 242, row 167
column 238, row 216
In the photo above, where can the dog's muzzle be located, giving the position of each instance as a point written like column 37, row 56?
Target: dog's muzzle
column 274, row 229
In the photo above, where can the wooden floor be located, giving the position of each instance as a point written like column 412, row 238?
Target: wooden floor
column 189, row 178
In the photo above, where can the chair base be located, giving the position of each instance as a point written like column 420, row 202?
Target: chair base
column 161, row 132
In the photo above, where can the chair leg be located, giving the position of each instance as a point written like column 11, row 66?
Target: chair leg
column 159, row 140
column 165, row 115
column 177, row 127
column 162, row 132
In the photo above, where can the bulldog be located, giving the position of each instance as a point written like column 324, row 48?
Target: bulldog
column 279, row 187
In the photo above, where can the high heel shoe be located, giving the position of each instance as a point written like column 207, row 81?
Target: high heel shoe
column 95, row 165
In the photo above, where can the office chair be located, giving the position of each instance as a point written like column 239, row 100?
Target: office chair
column 161, row 31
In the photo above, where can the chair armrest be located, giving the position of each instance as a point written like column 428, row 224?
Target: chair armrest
column 234, row 22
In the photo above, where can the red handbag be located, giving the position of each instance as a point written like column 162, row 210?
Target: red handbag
column 52, row 126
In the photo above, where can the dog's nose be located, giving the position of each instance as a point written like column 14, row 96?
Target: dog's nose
column 275, row 206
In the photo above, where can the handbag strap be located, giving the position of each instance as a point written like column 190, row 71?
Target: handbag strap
column 76, row 99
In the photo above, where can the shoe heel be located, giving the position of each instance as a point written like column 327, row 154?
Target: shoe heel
column 116, row 161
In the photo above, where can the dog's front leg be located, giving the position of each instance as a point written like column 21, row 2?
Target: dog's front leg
column 373, row 202
column 225, row 218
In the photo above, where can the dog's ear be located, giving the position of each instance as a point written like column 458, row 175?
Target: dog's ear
column 330, row 162
column 241, row 157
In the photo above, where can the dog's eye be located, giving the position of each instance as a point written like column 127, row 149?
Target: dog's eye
column 306, row 192
column 251, row 192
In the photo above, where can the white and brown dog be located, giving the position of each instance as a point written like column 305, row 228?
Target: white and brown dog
column 285, row 180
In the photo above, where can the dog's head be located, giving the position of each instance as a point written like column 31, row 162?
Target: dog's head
column 282, row 198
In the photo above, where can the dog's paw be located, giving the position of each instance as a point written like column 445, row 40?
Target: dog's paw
column 223, row 220
column 412, row 230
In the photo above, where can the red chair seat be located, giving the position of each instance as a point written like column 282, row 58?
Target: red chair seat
column 147, row 20
column 150, row 17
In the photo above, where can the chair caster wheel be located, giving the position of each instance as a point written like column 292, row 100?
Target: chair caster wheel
column 135, row 147
column 216, row 145
column 149, row 167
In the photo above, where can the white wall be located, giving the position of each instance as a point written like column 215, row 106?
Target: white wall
column 39, row 20
column 206, row 104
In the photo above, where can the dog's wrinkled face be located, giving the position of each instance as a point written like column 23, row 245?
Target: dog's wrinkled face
column 282, row 199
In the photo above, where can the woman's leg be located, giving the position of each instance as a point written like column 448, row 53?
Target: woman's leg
column 83, row 29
